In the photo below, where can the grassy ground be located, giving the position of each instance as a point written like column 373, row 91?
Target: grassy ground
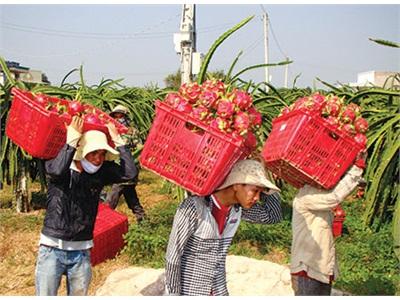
column 19, row 235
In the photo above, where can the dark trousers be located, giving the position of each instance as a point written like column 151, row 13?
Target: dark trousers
column 305, row 286
column 130, row 195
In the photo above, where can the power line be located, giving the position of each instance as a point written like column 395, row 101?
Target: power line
column 92, row 35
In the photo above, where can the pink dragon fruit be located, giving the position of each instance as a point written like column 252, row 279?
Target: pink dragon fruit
column 316, row 102
column 213, row 85
column 190, row 91
column 348, row 116
column 251, row 140
column 349, row 129
column 209, row 99
column 172, row 99
column 361, row 125
column 242, row 99
column 300, row 103
column 361, row 139
column 184, row 106
column 331, row 108
column 220, row 124
column 241, row 122
column 255, row 117
column 225, row 108
column 355, row 108
column 333, row 121
column 200, row 112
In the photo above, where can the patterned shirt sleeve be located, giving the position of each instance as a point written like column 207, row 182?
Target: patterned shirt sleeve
column 312, row 198
column 267, row 211
column 184, row 225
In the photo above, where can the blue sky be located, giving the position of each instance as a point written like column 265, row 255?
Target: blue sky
column 135, row 42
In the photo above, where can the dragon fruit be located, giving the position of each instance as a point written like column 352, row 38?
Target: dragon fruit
column 355, row 108
column 361, row 139
column 255, row 117
column 242, row 99
column 172, row 99
column 200, row 112
column 348, row 116
column 220, row 124
column 225, row 108
column 300, row 103
column 316, row 102
column 349, row 129
column 251, row 140
column 331, row 108
column 190, row 91
column 361, row 125
column 213, row 85
column 241, row 122
column 333, row 121
column 209, row 99
column 184, row 106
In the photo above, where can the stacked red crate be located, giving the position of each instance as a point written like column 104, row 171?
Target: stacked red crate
column 108, row 234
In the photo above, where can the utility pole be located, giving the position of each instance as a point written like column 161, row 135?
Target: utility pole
column 266, row 58
column 185, row 41
column 286, row 73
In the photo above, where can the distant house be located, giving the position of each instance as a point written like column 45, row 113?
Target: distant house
column 372, row 78
column 24, row 74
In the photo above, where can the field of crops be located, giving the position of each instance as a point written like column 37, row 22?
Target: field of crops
column 380, row 206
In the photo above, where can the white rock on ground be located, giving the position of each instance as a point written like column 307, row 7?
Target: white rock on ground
column 245, row 277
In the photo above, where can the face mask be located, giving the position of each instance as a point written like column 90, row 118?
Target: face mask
column 89, row 167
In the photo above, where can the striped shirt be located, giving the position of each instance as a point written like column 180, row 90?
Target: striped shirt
column 196, row 253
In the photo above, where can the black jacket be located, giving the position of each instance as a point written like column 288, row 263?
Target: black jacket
column 73, row 197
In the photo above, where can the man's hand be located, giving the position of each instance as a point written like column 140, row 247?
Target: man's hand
column 77, row 123
column 117, row 139
column 74, row 131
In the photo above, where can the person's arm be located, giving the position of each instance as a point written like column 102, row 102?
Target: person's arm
column 60, row 165
column 312, row 198
column 267, row 211
column 185, row 224
column 126, row 170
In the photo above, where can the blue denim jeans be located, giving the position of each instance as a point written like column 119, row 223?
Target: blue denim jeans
column 52, row 263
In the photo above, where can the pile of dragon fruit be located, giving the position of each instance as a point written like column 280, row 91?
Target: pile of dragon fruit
column 333, row 110
column 93, row 117
column 228, row 110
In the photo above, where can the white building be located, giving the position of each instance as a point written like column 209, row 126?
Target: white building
column 372, row 78
column 24, row 74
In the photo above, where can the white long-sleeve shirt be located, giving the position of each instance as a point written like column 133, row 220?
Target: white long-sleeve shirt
column 313, row 248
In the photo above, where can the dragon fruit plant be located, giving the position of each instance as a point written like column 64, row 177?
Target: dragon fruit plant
column 228, row 110
column 334, row 112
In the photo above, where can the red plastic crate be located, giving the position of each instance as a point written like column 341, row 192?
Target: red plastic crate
column 39, row 132
column 108, row 234
column 197, row 161
column 303, row 149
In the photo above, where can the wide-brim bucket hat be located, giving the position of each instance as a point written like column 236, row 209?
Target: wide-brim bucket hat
column 119, row 109
column 248, row 171
column 93, row 140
